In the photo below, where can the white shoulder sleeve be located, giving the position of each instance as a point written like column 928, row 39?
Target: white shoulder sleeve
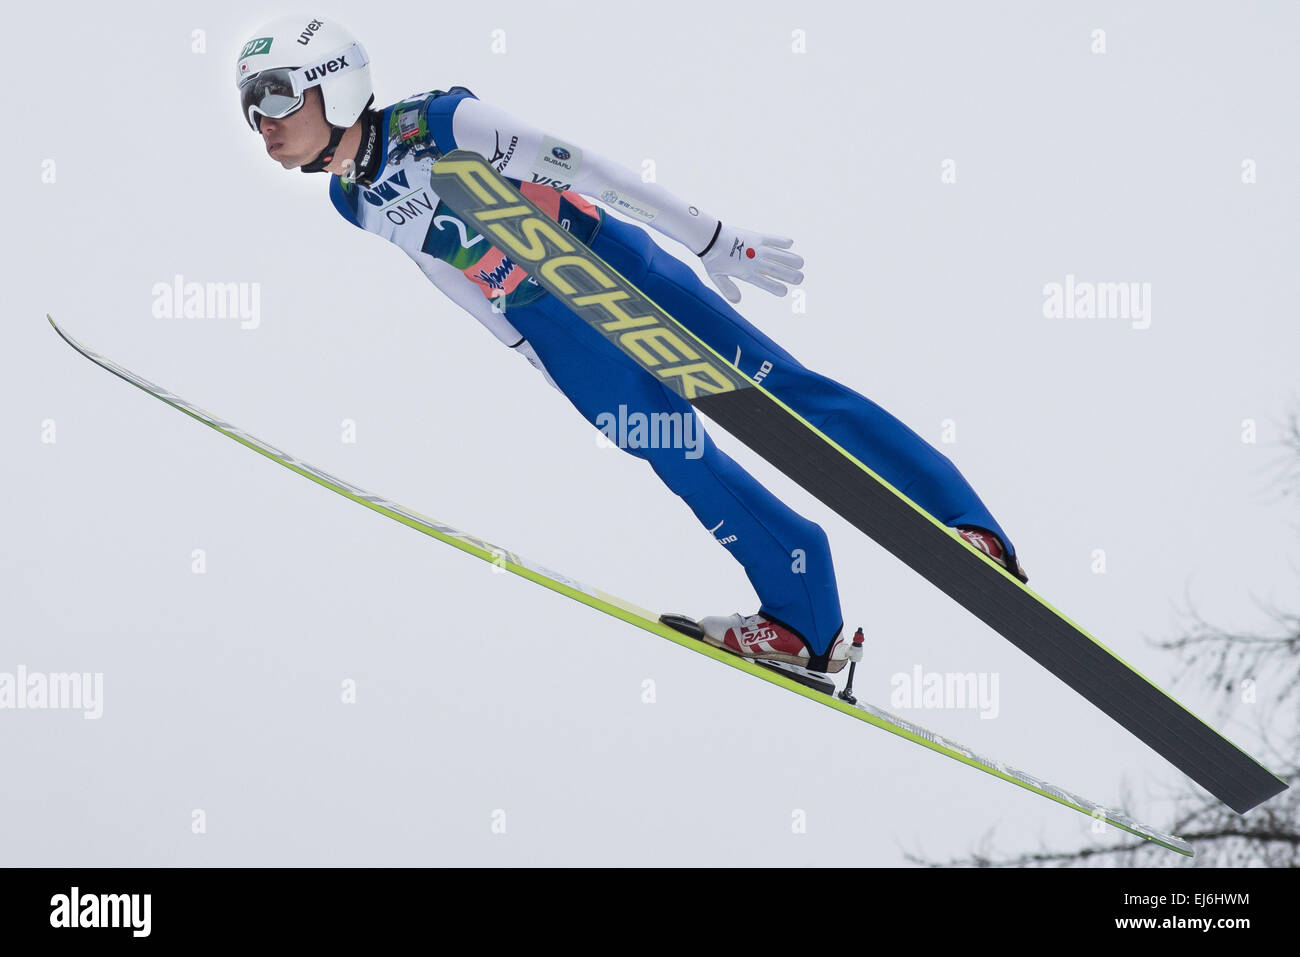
column 523, row 152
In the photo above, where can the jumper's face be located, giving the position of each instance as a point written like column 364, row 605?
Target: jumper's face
column 299, row 137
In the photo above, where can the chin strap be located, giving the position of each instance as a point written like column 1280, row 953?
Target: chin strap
column 326, row 155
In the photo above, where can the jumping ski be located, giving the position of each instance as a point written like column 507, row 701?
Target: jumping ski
column 680, row 631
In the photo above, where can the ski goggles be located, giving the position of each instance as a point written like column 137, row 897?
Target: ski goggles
column 282, row 91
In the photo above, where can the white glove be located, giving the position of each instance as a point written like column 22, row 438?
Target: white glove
column 753, row 257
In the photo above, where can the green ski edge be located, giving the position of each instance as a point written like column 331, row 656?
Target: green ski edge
column 634, row 614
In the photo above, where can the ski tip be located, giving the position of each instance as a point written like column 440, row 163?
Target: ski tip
column 64, row 336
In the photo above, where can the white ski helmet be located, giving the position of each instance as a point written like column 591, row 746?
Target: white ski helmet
column 291, row 54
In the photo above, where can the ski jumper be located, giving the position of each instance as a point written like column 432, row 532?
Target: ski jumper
column 786, row 557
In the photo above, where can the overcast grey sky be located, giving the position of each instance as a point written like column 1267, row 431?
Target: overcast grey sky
column 1171, row 161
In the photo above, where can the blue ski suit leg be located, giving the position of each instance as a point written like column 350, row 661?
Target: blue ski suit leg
column 786, row 557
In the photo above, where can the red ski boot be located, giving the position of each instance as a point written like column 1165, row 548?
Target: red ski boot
column 992, row 546
column 762, row 639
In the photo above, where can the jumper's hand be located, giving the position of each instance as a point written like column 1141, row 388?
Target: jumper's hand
column 752, row 257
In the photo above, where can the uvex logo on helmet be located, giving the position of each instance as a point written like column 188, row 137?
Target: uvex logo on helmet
column 309, row 31
column 313, row 73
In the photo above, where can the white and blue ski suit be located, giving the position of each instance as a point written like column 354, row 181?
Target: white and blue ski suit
column 786, row 556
